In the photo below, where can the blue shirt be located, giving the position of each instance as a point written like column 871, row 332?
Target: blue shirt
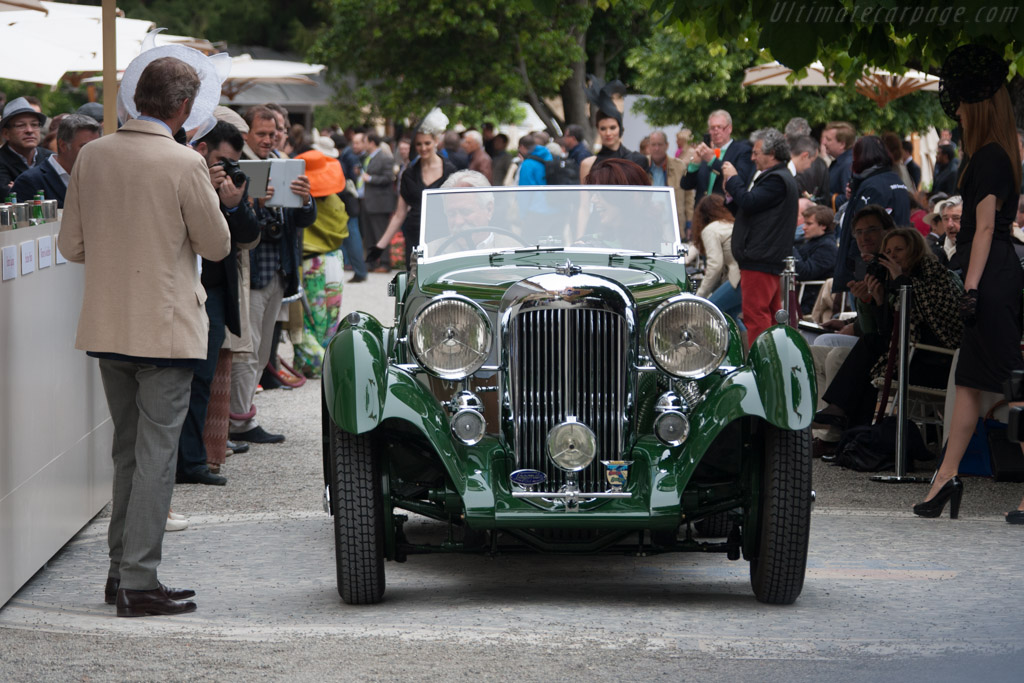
column 143, row 117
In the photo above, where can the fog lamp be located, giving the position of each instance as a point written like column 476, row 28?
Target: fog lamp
column 468, row 423
column 671, row 427
column 571, row 445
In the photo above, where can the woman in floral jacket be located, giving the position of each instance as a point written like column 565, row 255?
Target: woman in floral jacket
column 934, row 320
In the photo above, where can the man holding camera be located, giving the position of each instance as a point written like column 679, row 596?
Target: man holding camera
column 275, row 272
column 221, row 148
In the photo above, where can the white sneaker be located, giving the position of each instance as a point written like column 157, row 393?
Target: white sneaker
column 176, row 524
column 174, row 515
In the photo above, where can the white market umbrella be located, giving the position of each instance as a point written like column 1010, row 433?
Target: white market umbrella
column 879, row 86
column 45, row 66
column 247, row 72
column 19, row 5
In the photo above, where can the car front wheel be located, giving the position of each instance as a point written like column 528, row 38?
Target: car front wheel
column 358, row 517
column 777, row 571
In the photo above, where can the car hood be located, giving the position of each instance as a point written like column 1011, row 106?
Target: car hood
column 646, row 279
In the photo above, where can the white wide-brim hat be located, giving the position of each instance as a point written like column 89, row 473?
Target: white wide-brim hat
column 213, row 71
column 324, row 144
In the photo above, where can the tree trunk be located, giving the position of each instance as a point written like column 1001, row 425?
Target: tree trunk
column 574, row 101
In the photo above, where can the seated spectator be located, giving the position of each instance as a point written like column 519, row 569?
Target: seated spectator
column 830, row 350
column 52, row 176
column 934, row 319
column 816, row 254
column 712, row 236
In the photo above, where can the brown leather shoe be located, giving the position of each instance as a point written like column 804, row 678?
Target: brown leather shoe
column 145, row 603
column 110, row 592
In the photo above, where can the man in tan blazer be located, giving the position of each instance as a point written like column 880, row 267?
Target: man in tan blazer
column 139, row 208
column 667, row 170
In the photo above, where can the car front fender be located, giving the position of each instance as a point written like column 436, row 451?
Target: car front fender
column 777, row 384
column 355, row 374
column 362, row 390
column 784, row 371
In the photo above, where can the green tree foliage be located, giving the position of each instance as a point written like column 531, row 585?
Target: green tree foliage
column 475, row 58
column 688, row 80
column 278, row 24
column 53, row 101
column 847, row 36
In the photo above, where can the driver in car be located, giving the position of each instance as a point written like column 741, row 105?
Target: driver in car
column 469, row 218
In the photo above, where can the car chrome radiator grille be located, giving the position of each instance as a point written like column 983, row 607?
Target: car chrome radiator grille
column 563, row 363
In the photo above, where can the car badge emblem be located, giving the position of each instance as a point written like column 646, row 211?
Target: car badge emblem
column 568, row 268
column 617, row 473
column 528, row 478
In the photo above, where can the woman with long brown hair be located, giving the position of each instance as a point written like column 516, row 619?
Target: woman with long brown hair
column 973, row 91
column 712, row 236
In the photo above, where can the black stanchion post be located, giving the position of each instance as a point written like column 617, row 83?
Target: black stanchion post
column 901, row 398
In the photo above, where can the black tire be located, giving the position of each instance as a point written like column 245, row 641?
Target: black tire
column 717, row 525
column 777, row 571
column 358, row 518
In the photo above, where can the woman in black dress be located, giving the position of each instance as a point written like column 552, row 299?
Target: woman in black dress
column 426, row 172
column 973, row 90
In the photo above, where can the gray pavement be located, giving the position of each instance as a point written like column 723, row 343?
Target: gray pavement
column 888, row 596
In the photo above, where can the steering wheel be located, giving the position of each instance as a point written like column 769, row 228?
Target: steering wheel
column 466, row 236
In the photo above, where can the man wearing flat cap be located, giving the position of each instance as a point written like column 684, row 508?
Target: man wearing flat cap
column 21, row 128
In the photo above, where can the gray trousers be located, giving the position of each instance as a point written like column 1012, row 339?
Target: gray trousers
column 147, row 406
column 246, row 368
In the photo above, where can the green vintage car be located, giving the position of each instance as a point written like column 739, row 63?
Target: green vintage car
column 551, row 385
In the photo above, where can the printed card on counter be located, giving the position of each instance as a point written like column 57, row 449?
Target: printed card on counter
column 28, row 257
column 45, row 252
column 10, row 262
column 58, row 257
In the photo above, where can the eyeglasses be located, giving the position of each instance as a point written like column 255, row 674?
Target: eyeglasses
column 864, row 231
column 718, row 127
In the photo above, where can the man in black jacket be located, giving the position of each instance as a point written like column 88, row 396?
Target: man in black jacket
column 21, row 127
column 765, row 227
column 220, row 280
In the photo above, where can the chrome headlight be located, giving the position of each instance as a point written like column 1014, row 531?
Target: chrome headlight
column 451, row 337
column 687, row 337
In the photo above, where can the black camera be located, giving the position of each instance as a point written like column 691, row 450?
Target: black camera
column 234, row 171
column 877, row 270
column 271, row 229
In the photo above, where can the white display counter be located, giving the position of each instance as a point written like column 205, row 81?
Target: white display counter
column 55, row 430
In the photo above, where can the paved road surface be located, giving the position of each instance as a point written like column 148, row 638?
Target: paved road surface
column 888, row 596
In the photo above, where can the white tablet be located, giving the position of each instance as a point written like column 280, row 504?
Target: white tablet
column 259, row 173
column 282, row 173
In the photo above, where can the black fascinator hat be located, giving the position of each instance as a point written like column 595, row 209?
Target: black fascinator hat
column 971, row 73
column 600, row 95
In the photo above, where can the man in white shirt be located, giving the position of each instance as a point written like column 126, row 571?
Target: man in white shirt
column 52, row 176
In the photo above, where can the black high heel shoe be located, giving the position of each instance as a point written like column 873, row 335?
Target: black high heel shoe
column 953, row 491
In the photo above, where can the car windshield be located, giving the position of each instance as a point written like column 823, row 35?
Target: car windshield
column 587, row 217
